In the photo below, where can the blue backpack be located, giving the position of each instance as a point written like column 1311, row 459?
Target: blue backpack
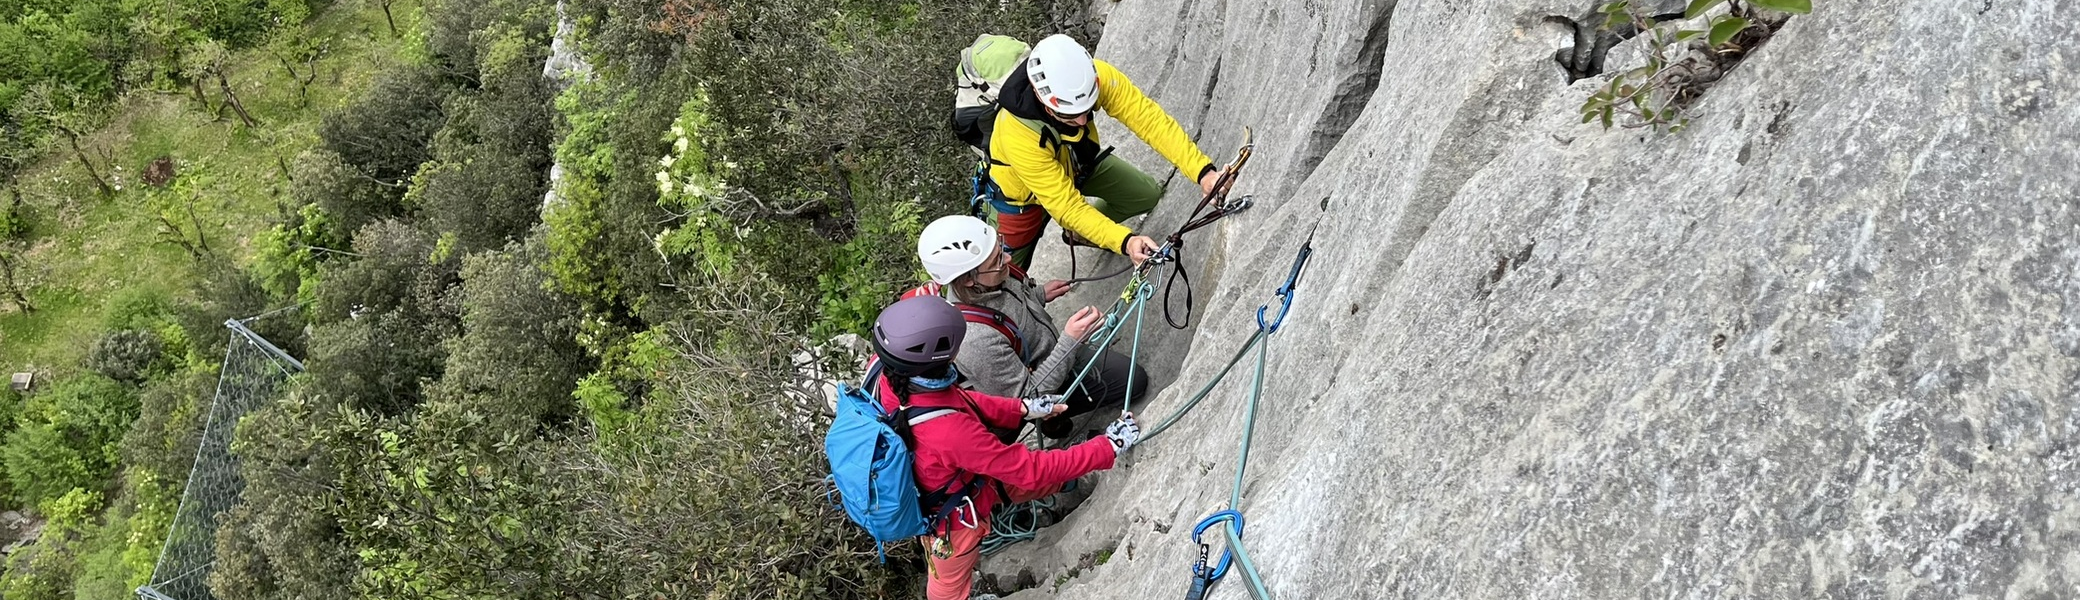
column 872, row 467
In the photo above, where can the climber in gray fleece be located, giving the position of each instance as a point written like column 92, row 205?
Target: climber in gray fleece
column 1012, row 348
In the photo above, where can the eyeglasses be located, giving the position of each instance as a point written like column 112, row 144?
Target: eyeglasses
column 994, row 264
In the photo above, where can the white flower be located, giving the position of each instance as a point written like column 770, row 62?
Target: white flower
column 664, row 188
column 678, row 131
column 667, row 161
column 663, row 177
column 680, row 145
column 692, row 189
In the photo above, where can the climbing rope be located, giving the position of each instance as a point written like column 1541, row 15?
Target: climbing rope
column 1016, row 523
column 1132, row 302
column 1203, row 578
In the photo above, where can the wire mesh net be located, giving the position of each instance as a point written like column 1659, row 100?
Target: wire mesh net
column 253, row 373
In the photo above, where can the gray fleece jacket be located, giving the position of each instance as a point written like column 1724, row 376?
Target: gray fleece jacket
column 986, row 357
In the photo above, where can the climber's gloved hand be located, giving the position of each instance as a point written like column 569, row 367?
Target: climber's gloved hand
column 1123, row 433
column 1044, row 407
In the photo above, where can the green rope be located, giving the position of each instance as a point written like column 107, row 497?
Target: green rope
column 1204, row 390
column 1249, row 426
column 1007, row 529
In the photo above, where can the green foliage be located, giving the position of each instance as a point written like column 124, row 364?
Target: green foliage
column 127, row 355
column 459, row 513
column 588, row 254
column 382, row 318
column 282, row 541
column 68, row 436
column 866, row 273
column 348, row 198
column 518, row 357
column 1657, row 93
column 386, row 134
column 45, row 570
column 287, row 254
column 160, row 445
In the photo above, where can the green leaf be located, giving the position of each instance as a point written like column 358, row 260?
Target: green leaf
column 1616, row 19
column 1688, row 34
column 1724, row 28
column 1607, row 112
column 1790, row 6
column 1697, row 7
column 1615, row 8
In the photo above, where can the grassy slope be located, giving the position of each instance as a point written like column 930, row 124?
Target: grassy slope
column 90, row 250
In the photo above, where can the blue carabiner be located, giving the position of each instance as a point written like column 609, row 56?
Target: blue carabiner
column 1285, row 292
column 1220, row 568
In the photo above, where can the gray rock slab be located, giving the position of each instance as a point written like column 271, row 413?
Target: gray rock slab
column 1821, row 344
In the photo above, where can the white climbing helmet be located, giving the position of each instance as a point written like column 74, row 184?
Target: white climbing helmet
column 952, row 246
column 1063, row 75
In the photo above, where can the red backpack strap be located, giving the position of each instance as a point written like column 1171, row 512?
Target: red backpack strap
column 998, row 321
column 974, row 313
column 928, row 289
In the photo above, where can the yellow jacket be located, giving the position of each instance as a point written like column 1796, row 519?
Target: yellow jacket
column 1031, row 170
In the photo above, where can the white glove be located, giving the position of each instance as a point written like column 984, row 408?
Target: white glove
column 1123, row 433
column 1042, row 407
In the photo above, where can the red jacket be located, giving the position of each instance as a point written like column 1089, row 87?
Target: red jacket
column 959, row 446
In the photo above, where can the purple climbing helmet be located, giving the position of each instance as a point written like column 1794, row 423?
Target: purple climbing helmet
column 918, row 334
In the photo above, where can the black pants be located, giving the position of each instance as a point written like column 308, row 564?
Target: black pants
column 1104, row 387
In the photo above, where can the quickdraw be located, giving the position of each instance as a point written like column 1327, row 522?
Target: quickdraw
column 1203, row 578
column 1285, row 292
column 1200, row 217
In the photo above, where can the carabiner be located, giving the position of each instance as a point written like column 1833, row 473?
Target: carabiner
column 1220, row 568
column 1285, row 292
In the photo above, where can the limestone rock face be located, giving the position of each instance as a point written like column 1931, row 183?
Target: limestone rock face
column 1823, row 343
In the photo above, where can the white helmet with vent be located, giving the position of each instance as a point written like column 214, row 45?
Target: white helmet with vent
column 952, row 246
column 1063, row 75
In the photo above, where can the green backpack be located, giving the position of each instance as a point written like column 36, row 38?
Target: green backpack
column 984, row 66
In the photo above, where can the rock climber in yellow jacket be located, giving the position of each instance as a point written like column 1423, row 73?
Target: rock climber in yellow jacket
column 1046, row 159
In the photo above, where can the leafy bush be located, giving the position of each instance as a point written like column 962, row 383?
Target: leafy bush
column 385, row 135
column 45, row 570
column 751, row 519
column 1657, row 93
column 69, row 436
column 484, row 201
column 518, row 358
column 127, row 355
column 348, row 197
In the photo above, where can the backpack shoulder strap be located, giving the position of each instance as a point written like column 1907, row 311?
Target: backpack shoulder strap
column 975, row 313
column 922, row 417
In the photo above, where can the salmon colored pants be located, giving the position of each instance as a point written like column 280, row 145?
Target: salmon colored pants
column 951, row 558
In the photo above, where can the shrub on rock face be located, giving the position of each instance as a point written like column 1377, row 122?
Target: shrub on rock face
column 128, row 355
